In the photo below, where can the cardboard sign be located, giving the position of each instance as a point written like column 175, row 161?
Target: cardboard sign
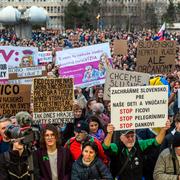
column 120, row 47
column 156, row 57
column 53, row 101
column 120, row 78
column 4, row 71
column 87, row 65
column 139, row 107
column 14, row 98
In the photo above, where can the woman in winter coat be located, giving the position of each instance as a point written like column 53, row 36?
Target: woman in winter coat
column 54, row 161
column 89, row 166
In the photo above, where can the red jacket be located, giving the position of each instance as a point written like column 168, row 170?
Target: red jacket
column 76, row 148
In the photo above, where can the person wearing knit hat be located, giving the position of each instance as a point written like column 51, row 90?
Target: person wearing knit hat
column 75, row 143
column 168, row 164
column 129, row 152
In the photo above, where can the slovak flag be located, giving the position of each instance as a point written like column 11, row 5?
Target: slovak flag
column 161, row 32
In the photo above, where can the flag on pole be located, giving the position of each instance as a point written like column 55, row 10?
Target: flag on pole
column 98, row 16
column 161, row 32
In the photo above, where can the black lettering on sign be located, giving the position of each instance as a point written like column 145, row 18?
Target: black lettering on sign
column 9, row 89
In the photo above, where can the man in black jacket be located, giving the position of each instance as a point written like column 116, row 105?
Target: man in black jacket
column 170, row 136
column 127, row 154
column 16, row 163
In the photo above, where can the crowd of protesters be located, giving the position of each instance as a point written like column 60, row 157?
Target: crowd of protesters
column 90, row 148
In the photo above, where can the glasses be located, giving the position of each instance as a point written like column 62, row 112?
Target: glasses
column 49, row 136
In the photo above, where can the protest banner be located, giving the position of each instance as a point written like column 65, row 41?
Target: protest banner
column 17, row 72
column 87, row 65
column 156, row 57
column 16, row 56
column 53, row 101
column 14, row 98
column 120, row 47
column 44, row 57
column 21, row 81
column 120, row 78
column 139, row 107
column 25, row 75
column 4, row 71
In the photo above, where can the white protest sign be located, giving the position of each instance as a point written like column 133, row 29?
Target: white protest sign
column 16, row 56
column 120, row 78
column 21, row 81
column 87, row 65
column 4, row 71
column 139, row 107
column 44, row 57
column 28, row 71
column 178, row 98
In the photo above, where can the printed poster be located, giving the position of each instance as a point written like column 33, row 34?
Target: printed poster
column 139, row 107
column 19, row 56
column 87, row 65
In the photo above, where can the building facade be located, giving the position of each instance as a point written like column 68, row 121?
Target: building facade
column 117, row 14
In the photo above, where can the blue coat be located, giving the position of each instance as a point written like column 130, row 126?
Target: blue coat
column 96, row 170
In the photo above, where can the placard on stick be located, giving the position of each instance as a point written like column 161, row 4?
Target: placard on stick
column 120, row 78
column 156, row 57
column 120, row 47
column 139, row 107
column 14, row 98
column 53, row 100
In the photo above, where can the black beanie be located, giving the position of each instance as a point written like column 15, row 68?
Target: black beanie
column 176, row 139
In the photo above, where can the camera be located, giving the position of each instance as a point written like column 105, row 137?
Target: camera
column 27, row 135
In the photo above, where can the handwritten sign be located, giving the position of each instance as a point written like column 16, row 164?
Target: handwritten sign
column 120, row 47
column 53, row 100
column 120, row 78
column 139, row 107
column 156, row 57
column 14, row 98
